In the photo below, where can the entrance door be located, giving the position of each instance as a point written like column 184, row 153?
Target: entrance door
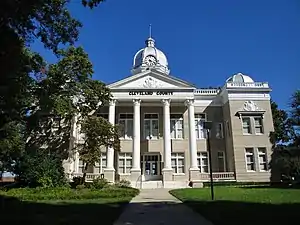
column 151, row 167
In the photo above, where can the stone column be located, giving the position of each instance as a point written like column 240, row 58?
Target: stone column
column 167, row 171
column 136, row 143
column 109, row 171
column 194, row 169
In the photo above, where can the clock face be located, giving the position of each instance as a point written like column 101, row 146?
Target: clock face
column 150, row 60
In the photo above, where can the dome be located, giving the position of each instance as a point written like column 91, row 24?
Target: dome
column 150, row 57
column 240, row 78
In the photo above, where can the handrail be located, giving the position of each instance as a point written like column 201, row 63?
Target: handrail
column 141, row 181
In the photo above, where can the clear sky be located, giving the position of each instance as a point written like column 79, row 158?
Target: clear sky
column 205, row 41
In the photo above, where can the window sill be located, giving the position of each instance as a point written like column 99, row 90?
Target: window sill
column 178, row 174
column 251, row 171
column 125, row 139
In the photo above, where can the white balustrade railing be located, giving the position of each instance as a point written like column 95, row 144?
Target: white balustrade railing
column 222, row 176
column 247, row 85
column 206, row 91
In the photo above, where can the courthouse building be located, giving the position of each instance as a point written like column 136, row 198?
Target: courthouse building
column 163, row 140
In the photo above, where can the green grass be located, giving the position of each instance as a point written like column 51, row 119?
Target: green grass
column 63, row 206
column 244, row 205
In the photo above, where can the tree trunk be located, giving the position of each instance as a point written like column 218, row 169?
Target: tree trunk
column 84, row 172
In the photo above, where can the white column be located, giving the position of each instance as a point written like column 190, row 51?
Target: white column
column 136, row 148
column 167, row 135
column 110, row 151
column 192, row 135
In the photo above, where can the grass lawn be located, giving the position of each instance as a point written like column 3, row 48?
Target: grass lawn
column 244, row 205
column 32, row 206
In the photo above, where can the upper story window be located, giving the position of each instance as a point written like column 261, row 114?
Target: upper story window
column 176, row 126
column 246, row 124
column 151, row 126
column 200, row 131
column 258, row 125
column 219, row 130
column 252, row 124
column 126, row 125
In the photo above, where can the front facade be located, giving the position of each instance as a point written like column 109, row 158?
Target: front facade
column 163, row 140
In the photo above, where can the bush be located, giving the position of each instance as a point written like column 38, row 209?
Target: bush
column 39, row 168
column 99, row 183
column 123, row 184
column 78, row 181
column 37, row 194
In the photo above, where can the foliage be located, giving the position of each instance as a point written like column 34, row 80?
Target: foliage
column 285, row 164
column 123, row 183
column 285, row 159
column 40, row 168
column 100, row 183
column 282, row 126
column 33, row 93
column 99, row 133
column 68, row 193
column 295, row 117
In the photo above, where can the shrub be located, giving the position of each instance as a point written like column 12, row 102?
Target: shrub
column 99, row 183
column 123, row 184
column 77, row 181
column 37, row 194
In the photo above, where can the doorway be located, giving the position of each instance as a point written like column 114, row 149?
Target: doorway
column 151, row 166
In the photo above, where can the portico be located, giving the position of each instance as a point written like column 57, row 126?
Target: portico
column 147, row 164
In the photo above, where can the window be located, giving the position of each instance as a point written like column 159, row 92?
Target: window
column 176, row 124
column 125, row 163
column 246, row 125
column 151, row 126
column 262, row 159
column 228, row 128
column 221, row 161
column 250, row 162
column 177, row 162
column 258, row 125
column 81, row 166
column 200, row 131
column 126, row 126
column 101, row 165
column 202, row 158
column 219, row 130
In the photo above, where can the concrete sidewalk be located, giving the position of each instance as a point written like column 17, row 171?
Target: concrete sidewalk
column 158, row 207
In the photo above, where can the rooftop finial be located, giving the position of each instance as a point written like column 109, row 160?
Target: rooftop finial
column 150, row 30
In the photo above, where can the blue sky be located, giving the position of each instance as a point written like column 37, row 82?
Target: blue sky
column 205, row 41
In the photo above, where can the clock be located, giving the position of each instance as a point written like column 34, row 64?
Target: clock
column 150, row 60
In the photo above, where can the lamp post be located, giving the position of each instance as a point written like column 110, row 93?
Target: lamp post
column 207, row 127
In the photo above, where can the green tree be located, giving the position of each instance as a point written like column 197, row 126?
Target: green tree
column 99, row 134
column 295, row 117
column 282, row 125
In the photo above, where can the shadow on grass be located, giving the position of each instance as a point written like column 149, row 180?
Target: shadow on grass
column 245, row 213
column 15, row 212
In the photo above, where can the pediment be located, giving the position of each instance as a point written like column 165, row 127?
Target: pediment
column 150, row 80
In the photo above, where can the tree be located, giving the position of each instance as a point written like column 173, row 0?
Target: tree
column 99, row 134
column 65, row 92
column 295, row 117
column 282, row 126
column 21, row 22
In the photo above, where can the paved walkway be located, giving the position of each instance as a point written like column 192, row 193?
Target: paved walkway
column 158, row 207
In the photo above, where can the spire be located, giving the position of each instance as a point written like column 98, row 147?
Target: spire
column 150, row 30
column 150, row 41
